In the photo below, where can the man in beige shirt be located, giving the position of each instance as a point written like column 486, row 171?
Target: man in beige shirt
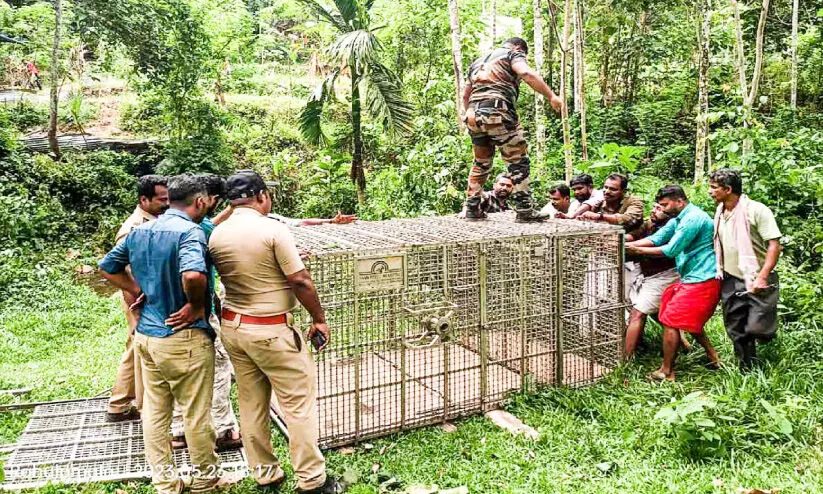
column 749, row 298
column 127, row 393
column 265, row 278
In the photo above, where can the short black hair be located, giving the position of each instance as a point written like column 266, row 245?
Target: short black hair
column 624, row 180
column 582, row 179
column 215, row 186
column 673, row 191
column 147, row 183
column 184, row 189
column 562, row 188
column 519, row 42
column 726, row 177
column 506, row 175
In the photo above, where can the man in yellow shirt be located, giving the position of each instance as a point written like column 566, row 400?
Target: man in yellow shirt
column 264, row 278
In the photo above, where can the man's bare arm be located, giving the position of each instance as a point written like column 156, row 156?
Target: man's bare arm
column 195, row 285
column 125, row 282
column 772, row 255
column 223, row 215
column 303, row 287
column 533, row 79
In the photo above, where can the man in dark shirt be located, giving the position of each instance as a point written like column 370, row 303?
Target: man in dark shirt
column 169, row 273
column 495, row 200
column 490, row 98
column 646, row 291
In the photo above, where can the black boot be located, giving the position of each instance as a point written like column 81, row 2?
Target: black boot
column 473, row 210
column 524, row 207
column 331, row 486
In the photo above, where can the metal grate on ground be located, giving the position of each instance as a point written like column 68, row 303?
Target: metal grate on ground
column 436, row 318
column 70, row 442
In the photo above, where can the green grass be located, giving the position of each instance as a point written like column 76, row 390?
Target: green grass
column 65, row 341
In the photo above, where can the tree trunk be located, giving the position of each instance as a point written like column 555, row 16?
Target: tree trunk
column 457, row 60
column 55, row 79
column 578, row 74
column 564, row 114
column 795, row 8
column 740, row 57
column 539, row 117
column 703, row 92
column 357, row 174
column 494, row 23
column 580, row 100
column 604, row 69
column 550, row 51
column 758, row 53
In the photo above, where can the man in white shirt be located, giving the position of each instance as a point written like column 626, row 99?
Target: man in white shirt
column 590, row 198
column 560, row 202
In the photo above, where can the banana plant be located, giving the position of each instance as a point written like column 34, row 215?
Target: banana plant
column 356, row 51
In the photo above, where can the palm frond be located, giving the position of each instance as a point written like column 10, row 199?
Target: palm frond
column 332, row 18
column 357, row 49
column 350, row 12
column 310, row 117
column 385, row 100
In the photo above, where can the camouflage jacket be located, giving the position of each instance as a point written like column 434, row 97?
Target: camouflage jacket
column 492, row 78
column 490, row 203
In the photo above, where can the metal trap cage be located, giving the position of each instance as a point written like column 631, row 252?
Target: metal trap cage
column 437, row 318
column 70, row 442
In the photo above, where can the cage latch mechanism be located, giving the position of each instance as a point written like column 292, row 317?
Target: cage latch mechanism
column 435, row 326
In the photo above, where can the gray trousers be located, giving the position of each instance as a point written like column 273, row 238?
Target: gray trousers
column 749, row 317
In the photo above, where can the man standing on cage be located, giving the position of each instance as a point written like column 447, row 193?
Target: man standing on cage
column 490, row 97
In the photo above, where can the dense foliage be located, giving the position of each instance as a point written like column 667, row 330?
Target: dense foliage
column 228, row 84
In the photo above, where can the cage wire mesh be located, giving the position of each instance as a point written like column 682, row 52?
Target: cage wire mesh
column 71, row 442
column 437, row 318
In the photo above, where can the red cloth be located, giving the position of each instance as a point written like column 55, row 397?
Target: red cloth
column 688, row 306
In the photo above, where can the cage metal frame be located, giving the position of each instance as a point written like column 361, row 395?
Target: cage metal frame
column 375, row 382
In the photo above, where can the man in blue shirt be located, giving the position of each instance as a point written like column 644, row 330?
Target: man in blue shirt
column 222, row 412
column 169, row 273
column 688, row 238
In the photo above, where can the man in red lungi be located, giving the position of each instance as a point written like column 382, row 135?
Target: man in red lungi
column 689, row 304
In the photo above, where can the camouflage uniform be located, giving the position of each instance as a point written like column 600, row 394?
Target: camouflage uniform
column 490, row 203
column 493, row 123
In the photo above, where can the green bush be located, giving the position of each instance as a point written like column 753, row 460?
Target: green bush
column 84, row 196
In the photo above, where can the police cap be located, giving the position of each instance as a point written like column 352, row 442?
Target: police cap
column 244, row 184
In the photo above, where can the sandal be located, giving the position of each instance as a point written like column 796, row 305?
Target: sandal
column 227, row 441
column 660, row 376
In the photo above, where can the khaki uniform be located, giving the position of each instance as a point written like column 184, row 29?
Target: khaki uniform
column 178, row 367
column 128, row 385
column 253, row 255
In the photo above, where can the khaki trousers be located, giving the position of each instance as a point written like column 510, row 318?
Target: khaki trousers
column 222, row 412
column 128, row 385
column 275, row 358
column 179, row 367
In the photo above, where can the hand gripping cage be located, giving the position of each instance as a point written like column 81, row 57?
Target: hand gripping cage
column 437, row 318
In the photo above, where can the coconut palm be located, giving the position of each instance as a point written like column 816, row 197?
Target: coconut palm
column 356, row 51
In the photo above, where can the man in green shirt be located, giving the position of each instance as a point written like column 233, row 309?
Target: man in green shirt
column 747, row 242
column 689, row 304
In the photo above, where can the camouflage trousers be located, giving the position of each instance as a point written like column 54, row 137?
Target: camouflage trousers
column 492, row 129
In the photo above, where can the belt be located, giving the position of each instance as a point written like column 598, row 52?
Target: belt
column 493, row 103
column 265, row 320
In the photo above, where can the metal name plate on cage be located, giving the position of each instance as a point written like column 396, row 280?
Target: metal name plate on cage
column 380, row 273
